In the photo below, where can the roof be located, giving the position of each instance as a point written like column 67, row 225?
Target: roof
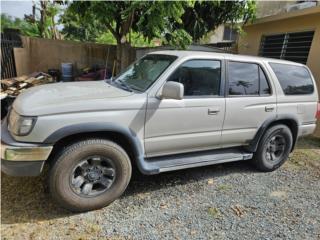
column 286, row 15
column 192, row 47
column 140, row 52
column 183, row 53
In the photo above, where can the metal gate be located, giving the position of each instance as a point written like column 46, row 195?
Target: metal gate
column 9, row 39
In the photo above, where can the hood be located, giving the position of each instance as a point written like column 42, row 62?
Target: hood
column 67, row 97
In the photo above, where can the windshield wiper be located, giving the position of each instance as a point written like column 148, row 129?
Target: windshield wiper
column 123, row 85
column 135, row 88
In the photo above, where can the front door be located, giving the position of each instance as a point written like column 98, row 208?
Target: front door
column 193, row 123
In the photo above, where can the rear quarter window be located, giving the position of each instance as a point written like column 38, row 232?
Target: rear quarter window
column 294, row 80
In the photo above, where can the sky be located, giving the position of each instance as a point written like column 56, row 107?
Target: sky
column 16, row 8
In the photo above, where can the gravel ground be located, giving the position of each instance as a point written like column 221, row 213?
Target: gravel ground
column 226, row 201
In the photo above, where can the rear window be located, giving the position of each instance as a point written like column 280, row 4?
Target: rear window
column 294, row 80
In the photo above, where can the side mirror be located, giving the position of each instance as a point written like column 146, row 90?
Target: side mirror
column 172, row 90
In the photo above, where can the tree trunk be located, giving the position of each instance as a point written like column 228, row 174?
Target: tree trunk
column 123, row 56
column 43, row 16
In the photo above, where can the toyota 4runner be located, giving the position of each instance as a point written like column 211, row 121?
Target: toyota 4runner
column 169, row 110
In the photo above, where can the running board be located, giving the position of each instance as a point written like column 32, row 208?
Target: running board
column 195, row 159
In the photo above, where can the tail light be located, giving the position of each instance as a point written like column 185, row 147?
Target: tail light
column 318, row 111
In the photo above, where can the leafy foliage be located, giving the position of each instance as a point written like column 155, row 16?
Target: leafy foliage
column 158, row 19
column 147, row 19
column 106, row 38
column 77, row 28
column 205, row 16
column 136, row 39
column 151, row 19
column 44, row 18
column 26, row 28
column 177, row 23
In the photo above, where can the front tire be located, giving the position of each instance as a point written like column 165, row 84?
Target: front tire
column 89, row 174
column 274, row 148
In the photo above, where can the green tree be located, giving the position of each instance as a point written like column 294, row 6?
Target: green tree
column 149, row 19
column 106, row 38
column 135, row 39
column 77, row 28
column 176, row 23
column 138, row 40
column 9, row 22
column 205, row 16
column 44, row 14
column 26, row 28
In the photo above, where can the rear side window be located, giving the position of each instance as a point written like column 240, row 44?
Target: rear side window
column 294, row 80
column 247, row 79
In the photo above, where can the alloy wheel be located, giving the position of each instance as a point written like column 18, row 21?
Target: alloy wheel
column 275, row 148
column 92, row 176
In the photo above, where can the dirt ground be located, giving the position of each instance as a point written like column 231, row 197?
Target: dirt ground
column 225, row 201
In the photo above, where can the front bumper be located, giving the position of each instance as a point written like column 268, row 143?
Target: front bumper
column 21, row 159
column 24, row 153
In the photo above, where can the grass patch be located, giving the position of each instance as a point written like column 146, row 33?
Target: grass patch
column 306, row 154
column 214, row 212
column 224, row 187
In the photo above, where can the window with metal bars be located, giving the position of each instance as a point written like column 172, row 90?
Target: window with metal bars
column 290, row 46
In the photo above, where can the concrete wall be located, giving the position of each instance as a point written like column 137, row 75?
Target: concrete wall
column 267, row 8
column 40, row 54
column 249, row 43
column 273, row 7
column 216, row 35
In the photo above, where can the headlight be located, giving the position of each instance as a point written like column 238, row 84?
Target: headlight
column 20, row 125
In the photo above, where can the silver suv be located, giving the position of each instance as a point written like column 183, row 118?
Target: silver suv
column 169, row 110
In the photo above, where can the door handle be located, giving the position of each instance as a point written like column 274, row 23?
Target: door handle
column 269, row 108
column 213, row 111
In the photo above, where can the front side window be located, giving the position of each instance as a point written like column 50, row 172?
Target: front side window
column 294, row 80
column 143, row 73
column 247, row 79
column 199, row 77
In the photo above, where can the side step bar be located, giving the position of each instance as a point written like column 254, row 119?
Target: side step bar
column 195, row 159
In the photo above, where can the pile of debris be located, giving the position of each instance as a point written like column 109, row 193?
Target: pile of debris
column 94, row 73
column 14, row 86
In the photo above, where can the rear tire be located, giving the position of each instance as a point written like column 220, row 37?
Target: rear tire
column 274, row 148
column 89, row 175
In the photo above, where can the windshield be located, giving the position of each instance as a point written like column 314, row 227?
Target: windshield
column 143, row 73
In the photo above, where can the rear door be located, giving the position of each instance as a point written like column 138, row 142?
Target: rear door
column 298, row 93
column 250, row 100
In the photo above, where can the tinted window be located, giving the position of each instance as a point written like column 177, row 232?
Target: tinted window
column 293, row 79
column 264, row 86
column 243, row 78
column 199, row 77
